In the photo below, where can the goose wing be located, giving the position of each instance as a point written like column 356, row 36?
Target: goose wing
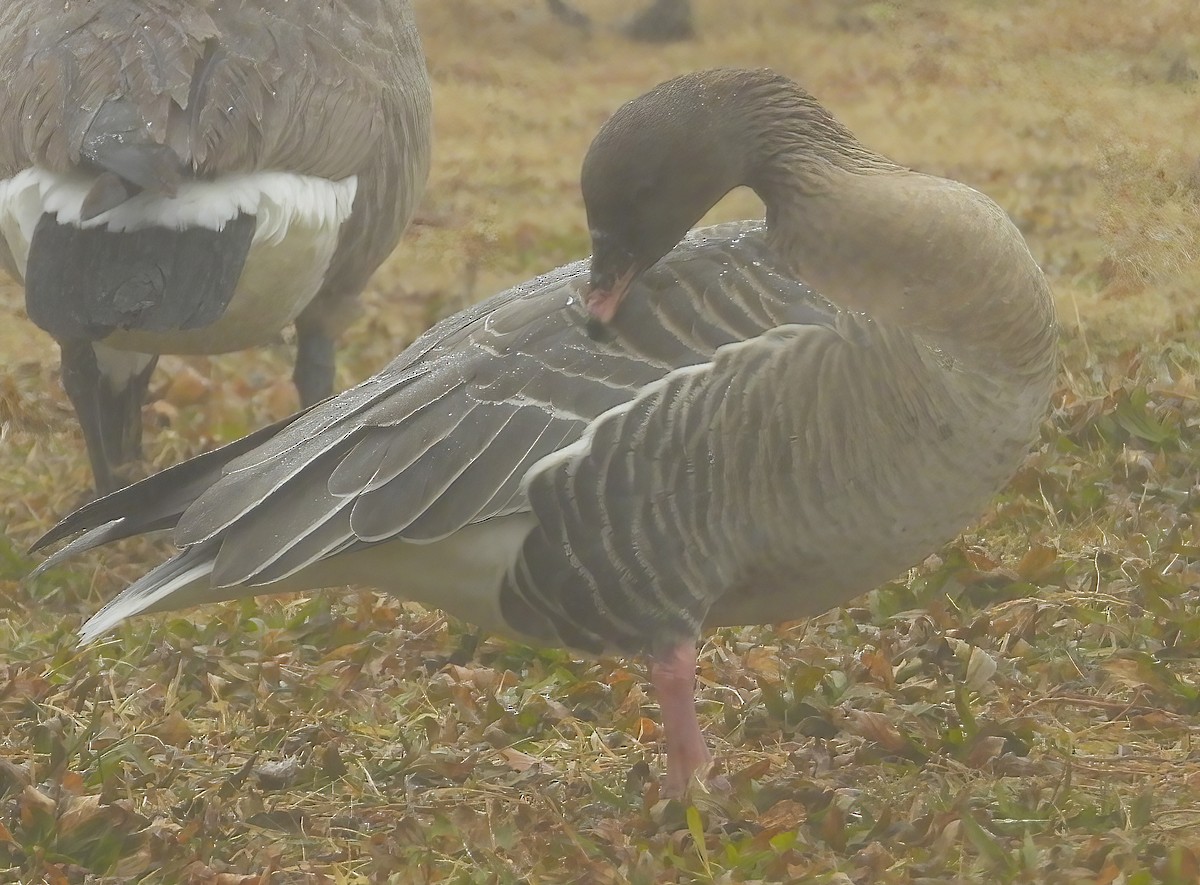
column 445, row 435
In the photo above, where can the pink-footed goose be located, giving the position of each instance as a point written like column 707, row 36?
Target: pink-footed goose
column 691, row 438
column 191, row 176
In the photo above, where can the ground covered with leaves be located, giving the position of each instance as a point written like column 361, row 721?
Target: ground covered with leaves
column 1024, row 706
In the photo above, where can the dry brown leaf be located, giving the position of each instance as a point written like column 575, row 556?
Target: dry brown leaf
column 1132, row 673
column 786, row 814
column 985, row 750
column 1155, row 720
column 34, row 800
column 980, row 666
column 56, row 874
column 217, row 685
column 876, row 727
column 518, row 761
column 480, row 678
column 174, row 730
column 981, row 561
column 764, row 661
column 187, row 388
column 72, row 781
column 236, row 879
column 647, row 730
column 1108, row 873
column 80, row 811
column 880, row 667
column 1036, row 560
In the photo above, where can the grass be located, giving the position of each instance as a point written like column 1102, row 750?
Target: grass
column 1022, row 707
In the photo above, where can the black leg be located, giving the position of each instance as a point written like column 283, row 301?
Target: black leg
column 81, row 379
column 109, row 410
column 121, row 404
column 315, row 362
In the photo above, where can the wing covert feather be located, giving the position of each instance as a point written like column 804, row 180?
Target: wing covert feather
column 444, row 436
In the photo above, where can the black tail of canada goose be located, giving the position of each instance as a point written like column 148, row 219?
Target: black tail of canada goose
column 192, row 178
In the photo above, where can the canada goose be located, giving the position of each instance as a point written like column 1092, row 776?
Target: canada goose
column 687, row 436
column 191, row 177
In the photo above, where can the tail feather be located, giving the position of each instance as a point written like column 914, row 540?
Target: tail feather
column 154, row 590
column 89, row 540
column 154, row 503
column 85, row 282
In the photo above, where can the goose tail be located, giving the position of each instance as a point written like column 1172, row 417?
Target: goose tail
column 164, row 587
column 156, row 502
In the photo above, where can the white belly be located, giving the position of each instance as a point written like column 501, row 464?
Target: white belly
column 460, row 574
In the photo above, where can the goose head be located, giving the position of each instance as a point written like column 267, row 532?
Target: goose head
column 667, row 157
column 650, row 174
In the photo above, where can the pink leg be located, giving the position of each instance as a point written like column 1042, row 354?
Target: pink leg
column 674, row 678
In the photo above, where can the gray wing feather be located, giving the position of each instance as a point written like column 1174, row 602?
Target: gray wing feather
column 230, row 87
column 298, row 510
column 491, row 475
column 389, row 509
column 444, row 436
column 324, row 540
column 381, row 455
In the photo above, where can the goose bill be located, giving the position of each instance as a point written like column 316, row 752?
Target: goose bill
column 603, row 303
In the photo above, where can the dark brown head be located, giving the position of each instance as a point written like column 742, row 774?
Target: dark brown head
column 661, row 162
